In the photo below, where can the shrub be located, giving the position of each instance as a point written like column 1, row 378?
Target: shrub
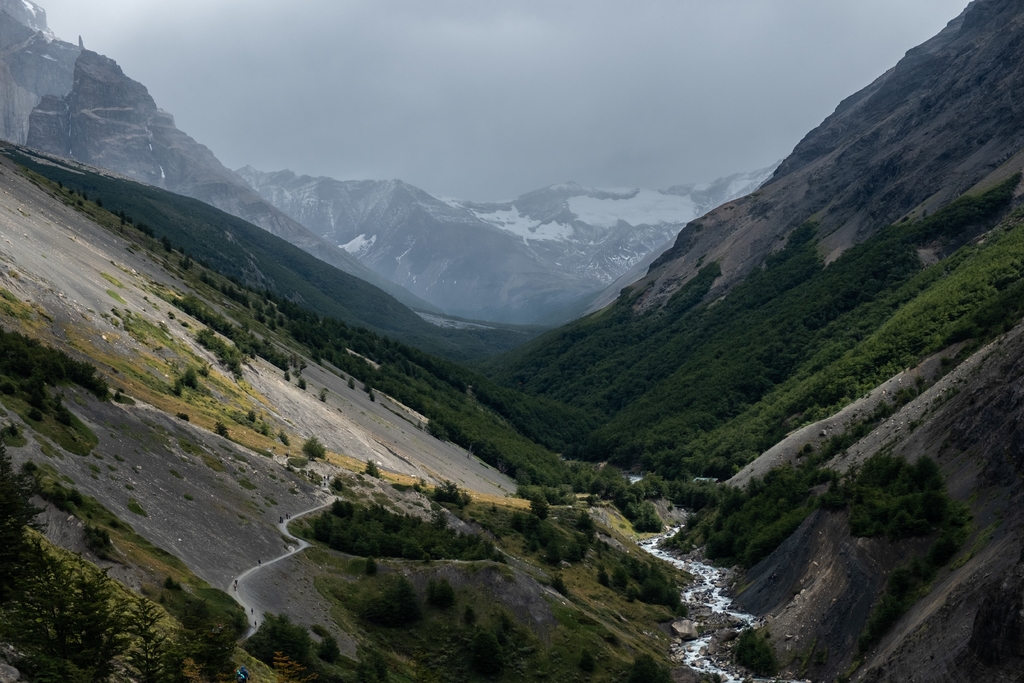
column 485, row 653
column 755, row 652
column 313, row 449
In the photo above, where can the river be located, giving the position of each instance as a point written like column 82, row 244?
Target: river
column 709, row 607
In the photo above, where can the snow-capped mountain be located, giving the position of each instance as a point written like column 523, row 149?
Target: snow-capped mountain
column 524, row 261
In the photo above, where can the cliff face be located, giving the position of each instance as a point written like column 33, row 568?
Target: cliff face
column 108, row 120
column 32, row 65
column 942, row 120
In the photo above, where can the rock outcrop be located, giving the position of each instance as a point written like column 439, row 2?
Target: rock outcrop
column 944, row 119
column 33, row 64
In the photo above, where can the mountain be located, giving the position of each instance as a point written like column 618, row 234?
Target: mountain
column 534, row 259
column 932, row 127
column 33, row 64
column 841, row 350
column 260, row 260
column 75, row 103
column 188, row 437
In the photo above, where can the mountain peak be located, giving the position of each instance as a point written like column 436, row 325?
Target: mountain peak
column 28, row 14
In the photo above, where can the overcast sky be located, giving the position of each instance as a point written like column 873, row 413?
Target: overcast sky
column 486, row 100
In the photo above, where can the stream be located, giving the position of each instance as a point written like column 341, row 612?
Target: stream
column 710, row 610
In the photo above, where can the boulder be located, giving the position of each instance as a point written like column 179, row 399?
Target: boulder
column 8, row 674
column 685, row 629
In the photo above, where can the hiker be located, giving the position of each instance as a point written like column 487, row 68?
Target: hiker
column 280, row 520
column 236, row 584
column 242, row 675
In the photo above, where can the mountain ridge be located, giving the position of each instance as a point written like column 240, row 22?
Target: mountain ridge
column 539, row 257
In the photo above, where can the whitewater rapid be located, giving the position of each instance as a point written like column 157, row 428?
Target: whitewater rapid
column 707, row 603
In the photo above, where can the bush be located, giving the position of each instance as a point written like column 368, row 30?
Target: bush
column 646, row 670
column 279, row 634
column 313, row 449
column 755, row 652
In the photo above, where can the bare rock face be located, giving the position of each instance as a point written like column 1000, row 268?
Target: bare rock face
column 32, row 65
column 941, row 121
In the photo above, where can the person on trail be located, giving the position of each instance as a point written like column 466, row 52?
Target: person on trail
column 242, row 675
column 236, row 584
column 280, row 520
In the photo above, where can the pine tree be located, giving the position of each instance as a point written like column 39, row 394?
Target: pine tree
column 16, row 513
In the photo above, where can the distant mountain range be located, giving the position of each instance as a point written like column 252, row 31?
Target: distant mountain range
column 538, row 258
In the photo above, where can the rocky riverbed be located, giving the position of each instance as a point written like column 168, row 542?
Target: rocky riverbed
column 703, row 640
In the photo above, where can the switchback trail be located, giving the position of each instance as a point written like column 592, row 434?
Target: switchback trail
column 237, row 587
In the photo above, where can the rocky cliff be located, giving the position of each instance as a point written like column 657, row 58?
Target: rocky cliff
column 942, row 120
column 108, row 120
column 33, row 64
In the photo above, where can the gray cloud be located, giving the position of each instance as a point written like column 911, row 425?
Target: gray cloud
column 486, row 100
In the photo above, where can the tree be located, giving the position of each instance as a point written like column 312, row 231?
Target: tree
column 485, row 653
column 372, row 469
column 16, row 513
column 148, row 654
column 277, row 635
column 539, row 507
column 755, row 652
column 440, row 593
column 66, row 618
column 313, row 449
column 396, row 605
column 289, row 671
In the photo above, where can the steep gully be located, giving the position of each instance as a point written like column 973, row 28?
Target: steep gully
column 237, row 587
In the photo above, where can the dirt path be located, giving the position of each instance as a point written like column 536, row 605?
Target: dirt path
column 237, row 587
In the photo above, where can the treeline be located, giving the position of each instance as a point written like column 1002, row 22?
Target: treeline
column 510, row 431
column 258, row 259
column 34, row 366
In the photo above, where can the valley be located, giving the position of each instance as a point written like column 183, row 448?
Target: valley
column 786, row 445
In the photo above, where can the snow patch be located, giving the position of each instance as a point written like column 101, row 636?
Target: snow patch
column 524, row 226
column 360, row 243
column 646, row 207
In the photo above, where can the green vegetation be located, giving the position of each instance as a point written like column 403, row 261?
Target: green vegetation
column 698, row 390
column 887, row 496
column 68, row 621
column 376, row 532
column 754, row 651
